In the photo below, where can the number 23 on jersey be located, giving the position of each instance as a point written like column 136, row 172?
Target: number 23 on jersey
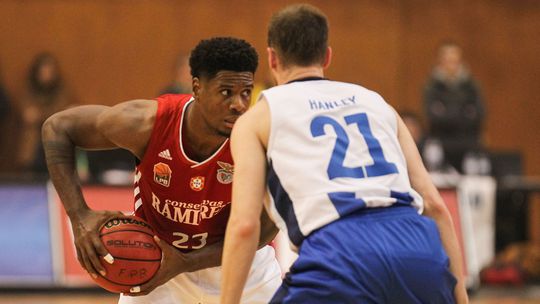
column 184, row 238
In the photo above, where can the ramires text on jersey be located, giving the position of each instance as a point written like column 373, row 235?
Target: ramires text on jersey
column 187, row 213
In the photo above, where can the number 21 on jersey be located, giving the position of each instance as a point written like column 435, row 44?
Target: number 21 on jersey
column 336, row 167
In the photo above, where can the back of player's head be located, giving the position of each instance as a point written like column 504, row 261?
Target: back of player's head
column 222, row 54
column 299, row 34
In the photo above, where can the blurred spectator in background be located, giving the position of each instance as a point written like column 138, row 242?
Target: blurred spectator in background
column 430, row 148
column 109, row 167
column 4, row 104
column 454, row 106
column 182, row 78
column 46, row 94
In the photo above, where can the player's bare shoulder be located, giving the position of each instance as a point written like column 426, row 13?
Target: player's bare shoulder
column 129, row 124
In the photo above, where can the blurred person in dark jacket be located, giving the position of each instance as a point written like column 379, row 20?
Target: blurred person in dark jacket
column 4, row 104
column 454, row 106
column 46, row 94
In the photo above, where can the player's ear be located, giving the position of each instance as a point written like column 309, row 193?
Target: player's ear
column 272, row 58
column 327, row 57
column 196, row 85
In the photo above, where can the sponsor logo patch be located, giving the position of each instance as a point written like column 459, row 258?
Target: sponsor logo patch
column 162, row 174
column 189, row 212
column 225, row 174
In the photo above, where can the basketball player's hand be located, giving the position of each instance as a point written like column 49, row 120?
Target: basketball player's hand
column 460, row 293
column 87, row 242
column 173, row 262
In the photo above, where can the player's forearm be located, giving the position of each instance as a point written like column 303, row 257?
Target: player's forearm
column 211, row 255
column 434, row 206
column 60, row 157
column 206, row 257
column 240, row 246
column 440, row 214
column 268, row 230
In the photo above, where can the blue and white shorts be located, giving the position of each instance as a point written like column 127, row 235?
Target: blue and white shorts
column 379, row 255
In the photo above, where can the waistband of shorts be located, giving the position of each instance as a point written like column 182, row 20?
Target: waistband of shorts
column 392, row 211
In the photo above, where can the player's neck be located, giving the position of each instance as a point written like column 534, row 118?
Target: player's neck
column 202, row 140
column 294, row 73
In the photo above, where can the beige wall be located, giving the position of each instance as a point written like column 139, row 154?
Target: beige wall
column 112, row 51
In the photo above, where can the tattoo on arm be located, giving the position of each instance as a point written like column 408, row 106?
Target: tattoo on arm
column 58, row 152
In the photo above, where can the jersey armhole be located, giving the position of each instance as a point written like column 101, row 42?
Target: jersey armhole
column 162, row 107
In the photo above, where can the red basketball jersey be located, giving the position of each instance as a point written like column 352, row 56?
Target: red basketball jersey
column 186, row 202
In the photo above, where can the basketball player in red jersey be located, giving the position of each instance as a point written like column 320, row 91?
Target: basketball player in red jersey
column 182, row 179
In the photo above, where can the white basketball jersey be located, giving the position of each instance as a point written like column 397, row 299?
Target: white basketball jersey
column 332, row 150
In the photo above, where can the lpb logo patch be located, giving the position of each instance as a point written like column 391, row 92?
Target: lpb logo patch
column 197, row 183
column 162, row 174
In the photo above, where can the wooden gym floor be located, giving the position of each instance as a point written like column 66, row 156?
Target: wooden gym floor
column 487, row 295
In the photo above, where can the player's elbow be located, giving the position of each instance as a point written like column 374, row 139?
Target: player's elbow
column 53, row 126
column 47, row 127
column 435, row 208
column 244, row 228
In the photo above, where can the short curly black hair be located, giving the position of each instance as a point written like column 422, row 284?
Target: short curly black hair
column 222, row 54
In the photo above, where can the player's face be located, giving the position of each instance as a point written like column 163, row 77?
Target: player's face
column 224, row 98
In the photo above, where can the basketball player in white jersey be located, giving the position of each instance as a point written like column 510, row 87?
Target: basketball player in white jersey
column 345, row 182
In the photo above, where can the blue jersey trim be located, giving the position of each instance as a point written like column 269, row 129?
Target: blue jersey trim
column 403, row 198
column 284, row 206
column 346, row 202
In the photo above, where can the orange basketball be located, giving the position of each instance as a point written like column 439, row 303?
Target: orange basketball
column 136, row 255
